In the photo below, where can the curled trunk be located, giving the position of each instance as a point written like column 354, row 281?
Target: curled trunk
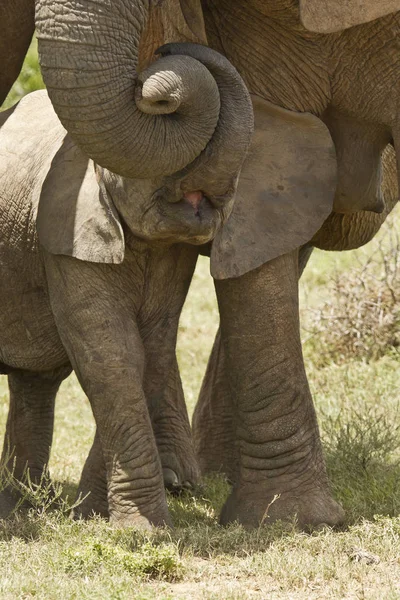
column 221, row 161
column 136, row 125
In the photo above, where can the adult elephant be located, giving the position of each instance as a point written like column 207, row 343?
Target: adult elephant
column 324, row 77
column 324, row 74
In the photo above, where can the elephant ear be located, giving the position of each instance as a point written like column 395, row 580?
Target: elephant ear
column 326, row 16
column 76, row 216
column 285, row 191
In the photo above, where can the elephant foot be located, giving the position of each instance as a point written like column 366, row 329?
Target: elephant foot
column 92, row 504
column 97, row 504
column 219, row 457
column 180, row 471
column 311, row 509
column 9, row 501
column 143, row 520
column 31, row 489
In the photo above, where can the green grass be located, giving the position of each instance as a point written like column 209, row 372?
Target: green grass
column 45, row 555
column 30, row 78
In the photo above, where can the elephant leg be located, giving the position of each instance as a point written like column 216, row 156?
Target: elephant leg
column 29, row 430
column 94, row 307
column 158, row 320
column 175, row 447
column 171, row 428
column 93, row 484
column 281, row 468
column 17, row 24
column 162, row 382
column 214, row 429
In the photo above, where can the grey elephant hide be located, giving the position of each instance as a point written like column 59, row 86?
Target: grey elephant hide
column 326, row 16
column 290, row 170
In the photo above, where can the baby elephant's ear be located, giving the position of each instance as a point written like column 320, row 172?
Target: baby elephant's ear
column 285, row 191
column 76, row 216
column 326, row 16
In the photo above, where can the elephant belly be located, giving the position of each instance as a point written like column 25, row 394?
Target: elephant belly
column 28, row 335
column 347, row 232
column 353, row 230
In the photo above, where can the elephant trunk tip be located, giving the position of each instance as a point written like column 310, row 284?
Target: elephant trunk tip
column 157, row 95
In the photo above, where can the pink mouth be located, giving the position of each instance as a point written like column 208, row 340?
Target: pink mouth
column 194, row 198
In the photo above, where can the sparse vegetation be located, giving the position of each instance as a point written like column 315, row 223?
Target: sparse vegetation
column 354, row 376
column 361, row 316
column 29, row 80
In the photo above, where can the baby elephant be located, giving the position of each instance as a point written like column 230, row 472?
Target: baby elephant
column 95, row 268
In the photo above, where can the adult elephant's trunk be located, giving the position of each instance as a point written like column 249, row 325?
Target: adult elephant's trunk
column 135, row 125
column 221, row 161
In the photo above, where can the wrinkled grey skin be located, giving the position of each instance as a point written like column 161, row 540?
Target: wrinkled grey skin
column 348, row 80
column 255, row 419
column 94, row 269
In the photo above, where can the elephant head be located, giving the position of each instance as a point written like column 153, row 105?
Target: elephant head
column 83, row 206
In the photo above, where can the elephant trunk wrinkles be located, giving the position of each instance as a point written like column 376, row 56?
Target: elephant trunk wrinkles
column 223, row 157
column 138, row 126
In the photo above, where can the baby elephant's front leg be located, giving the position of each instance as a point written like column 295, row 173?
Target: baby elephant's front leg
column 94, row 310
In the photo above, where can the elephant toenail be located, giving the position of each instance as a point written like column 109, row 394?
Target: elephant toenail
column 171, row 480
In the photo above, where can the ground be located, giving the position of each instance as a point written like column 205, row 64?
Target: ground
column 45, row 555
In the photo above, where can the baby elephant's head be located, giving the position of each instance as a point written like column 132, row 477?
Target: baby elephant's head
column 188, row 205
column 172, row 209
column 184, row 195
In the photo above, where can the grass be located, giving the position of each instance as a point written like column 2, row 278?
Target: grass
column 45, row 555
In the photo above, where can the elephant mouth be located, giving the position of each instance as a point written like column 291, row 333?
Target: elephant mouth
column 192, row 218
column 194, row 199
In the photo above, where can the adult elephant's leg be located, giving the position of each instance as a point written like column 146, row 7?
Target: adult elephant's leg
column 17, row 24
column 92, row 489
column 29, row 430
column 214, row 429
column 276, row 428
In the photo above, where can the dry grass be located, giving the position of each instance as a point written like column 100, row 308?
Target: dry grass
column 361, row 317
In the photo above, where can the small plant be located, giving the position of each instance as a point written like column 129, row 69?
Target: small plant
column 147, row 561
column 362, row 451
column 40, row 495
column 29, row 80
column 362, row 318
